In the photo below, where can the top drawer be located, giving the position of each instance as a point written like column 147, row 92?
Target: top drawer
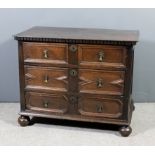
column 45, row 53
column 102, row 56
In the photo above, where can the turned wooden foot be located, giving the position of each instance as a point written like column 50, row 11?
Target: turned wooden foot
column 24, row 120
column 125, row 131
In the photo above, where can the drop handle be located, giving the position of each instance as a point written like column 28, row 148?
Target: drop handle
column 101, row 56
column 99, row 108
column 45, row 52
column 46, row 79
column 45, row 104
column 99, row 83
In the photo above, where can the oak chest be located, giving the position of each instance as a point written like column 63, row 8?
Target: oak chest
column 77, row 74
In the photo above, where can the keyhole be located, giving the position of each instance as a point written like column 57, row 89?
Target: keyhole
column 73, row 48
column 73, row 72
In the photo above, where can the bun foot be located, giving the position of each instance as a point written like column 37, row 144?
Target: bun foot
column 125, row 131
column 24, row 121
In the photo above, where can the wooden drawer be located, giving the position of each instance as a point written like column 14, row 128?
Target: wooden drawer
column 46, row 78
column 53, row 102
column 48, row 53
column 98, row 106
column 102, row 56
column 101, row 82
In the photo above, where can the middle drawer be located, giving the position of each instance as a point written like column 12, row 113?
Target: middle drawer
column 46, row 78
column 101, row 82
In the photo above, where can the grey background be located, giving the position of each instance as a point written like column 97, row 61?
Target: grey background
column 16, row 20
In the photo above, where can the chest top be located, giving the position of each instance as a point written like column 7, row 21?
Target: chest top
column 79, row 35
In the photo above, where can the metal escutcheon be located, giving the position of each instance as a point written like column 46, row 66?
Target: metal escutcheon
column 73, row 72
column 73, row 48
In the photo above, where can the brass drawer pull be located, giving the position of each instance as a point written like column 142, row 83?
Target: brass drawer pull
column 46, row 79
column 101, row 56
column 45, row 104
column 45, row 52
column 73, row 48
column 99, row 108
column 73, row 72
column 99, row 83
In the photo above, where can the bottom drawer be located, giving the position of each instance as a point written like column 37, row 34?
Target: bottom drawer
column 95, row 106
column 56, row 102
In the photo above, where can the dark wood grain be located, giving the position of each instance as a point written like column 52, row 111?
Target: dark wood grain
column 73, row 79
column 75, row 117
column 128, row 83
column 21, row 76
column 79, row 35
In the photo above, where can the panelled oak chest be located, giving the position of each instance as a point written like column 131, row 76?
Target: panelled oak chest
column 77, row 74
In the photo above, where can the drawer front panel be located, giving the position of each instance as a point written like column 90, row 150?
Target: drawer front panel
column 102, row 56
column 46, row 78
column 53, row 102
column 96, row 106
column 50, row 53
column 101, row 82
